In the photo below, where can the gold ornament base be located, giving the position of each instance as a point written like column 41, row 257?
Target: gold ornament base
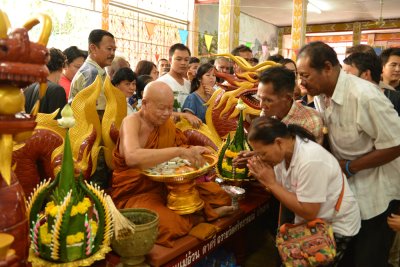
column 99, row 255
column 183, row 198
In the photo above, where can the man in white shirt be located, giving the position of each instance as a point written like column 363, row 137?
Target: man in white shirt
column 179, row 55
column 364, row 135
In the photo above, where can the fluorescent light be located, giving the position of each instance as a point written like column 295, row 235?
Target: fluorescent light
column 313, row 8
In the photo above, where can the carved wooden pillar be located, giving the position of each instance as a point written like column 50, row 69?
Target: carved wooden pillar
column 228, row 25
column 299, row 22
column 105, row 14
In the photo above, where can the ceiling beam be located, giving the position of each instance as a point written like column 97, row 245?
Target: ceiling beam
column 347, row 26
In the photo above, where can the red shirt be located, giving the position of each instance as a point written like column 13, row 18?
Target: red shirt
column 65, row 83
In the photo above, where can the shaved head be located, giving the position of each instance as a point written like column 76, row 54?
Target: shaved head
column 158, row 91
column 158, row 102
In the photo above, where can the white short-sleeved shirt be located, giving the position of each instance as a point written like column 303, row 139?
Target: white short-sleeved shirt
column 129, row 108
column 361, row 119
column 315, row 176
column 180, row 91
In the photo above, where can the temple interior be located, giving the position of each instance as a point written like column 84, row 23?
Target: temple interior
column 205, row 133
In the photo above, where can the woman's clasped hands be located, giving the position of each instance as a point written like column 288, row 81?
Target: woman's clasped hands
column 261, row 170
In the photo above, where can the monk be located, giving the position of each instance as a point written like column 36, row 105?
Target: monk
column 147, row 138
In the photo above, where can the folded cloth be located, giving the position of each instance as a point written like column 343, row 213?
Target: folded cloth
column 204, row 231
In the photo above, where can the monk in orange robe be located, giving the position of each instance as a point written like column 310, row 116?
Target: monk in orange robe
column 146, row 139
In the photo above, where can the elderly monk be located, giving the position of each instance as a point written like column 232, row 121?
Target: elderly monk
column 147, row 138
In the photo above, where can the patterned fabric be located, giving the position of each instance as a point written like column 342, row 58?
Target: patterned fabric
column 304, row 102
column 307, row 118
column 85, row 77
column 195, row 105
column 306, row 244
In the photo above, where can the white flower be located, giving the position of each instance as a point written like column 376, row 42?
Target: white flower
column 241, row 105
column 67, row 117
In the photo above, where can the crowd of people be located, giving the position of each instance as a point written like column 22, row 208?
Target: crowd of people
column 353, row 106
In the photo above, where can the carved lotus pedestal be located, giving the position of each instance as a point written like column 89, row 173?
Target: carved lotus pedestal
column 134, row 248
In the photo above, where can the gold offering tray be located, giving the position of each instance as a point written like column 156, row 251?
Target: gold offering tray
column 183, row 177
column 183, row 197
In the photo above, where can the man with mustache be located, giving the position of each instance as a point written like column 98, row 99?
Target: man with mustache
column 101, row 54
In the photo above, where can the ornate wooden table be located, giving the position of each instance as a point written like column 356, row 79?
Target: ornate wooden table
column 188, row 250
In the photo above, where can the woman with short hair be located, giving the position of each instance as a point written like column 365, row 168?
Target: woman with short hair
column 125, row 80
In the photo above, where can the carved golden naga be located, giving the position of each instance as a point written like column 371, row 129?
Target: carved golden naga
column 88, row 136
column 221, row 115
column 113, row 115
column 22, row 62
column 88, row 132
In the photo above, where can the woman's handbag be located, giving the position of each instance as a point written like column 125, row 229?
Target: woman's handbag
column 308, row 244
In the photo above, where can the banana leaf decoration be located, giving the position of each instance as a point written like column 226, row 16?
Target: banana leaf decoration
column 69, row 219
column 230, row 150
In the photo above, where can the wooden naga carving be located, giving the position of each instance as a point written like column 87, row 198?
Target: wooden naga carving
column 21, row 63
column 32, row 159
column 41, row 156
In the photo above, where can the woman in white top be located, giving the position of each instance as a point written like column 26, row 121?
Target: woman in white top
column 125, row 80
column 303, row 176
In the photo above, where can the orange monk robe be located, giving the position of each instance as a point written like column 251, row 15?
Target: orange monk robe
column 130, row 189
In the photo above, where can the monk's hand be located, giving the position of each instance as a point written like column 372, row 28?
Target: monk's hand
column 262, row 171
column 394, row 222
column 241, row 160
column 194, row 155
column 193, row 120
